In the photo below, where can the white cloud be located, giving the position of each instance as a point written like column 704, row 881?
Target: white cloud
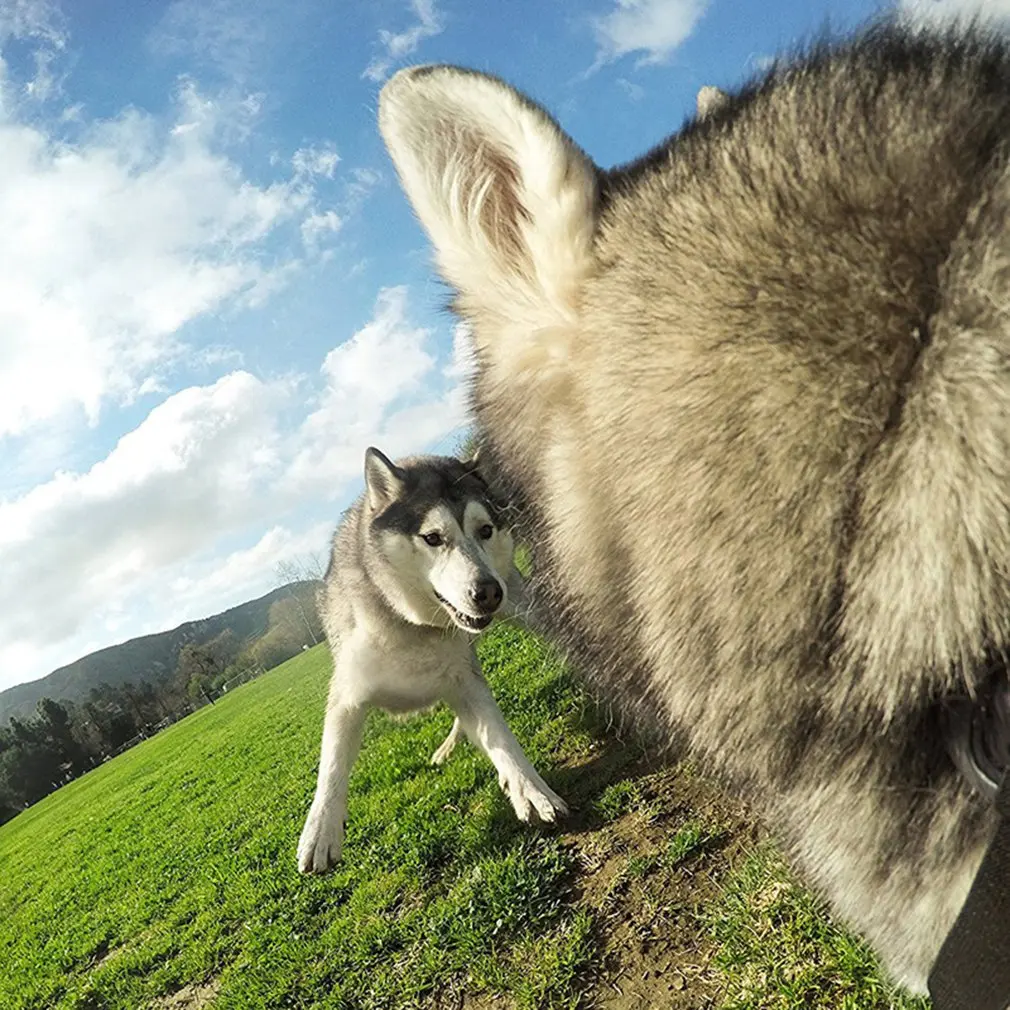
column 654, row 28
column 39, row 23
column 153, row 534
column 315, row 226
column 191, row 471
column 939, row 11
column 310, row 161
column 113, row 244
column 229, row 36
column 32, row 19
column 363, row 182
column 395, row 46
column 210, row 585
column 369, row 381
column 634, row 91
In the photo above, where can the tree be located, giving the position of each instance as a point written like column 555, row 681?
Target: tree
column 197, row 667
column 55, row 726
column 295, row 575
column 31, row 766
column 112, row 715
column 224, row 648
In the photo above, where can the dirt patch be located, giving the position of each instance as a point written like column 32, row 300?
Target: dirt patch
column 646, row 875
column 195, row 996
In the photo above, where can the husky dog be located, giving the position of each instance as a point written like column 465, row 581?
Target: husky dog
column 420, row 564
column 751, row 397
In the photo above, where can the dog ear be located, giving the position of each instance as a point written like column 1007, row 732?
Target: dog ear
column 472, row 466
column 710, row 100
column 383, row 478
column 507, row 198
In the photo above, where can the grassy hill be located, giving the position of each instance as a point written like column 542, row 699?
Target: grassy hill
column 166, row 879
column 148, row 658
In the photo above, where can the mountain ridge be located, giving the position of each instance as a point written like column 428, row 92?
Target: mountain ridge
column 146, row 658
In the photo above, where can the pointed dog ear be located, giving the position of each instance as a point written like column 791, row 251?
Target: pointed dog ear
column 384, row 480
column 472, row 466
column 508, row 200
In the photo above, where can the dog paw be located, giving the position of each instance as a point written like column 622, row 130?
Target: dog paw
column 534, row 800
column 321, row 841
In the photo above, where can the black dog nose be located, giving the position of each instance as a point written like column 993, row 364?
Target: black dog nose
column 487, row 596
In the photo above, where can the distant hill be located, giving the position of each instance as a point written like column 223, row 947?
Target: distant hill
column 150, row 657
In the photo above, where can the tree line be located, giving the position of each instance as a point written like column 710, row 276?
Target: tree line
column 65, row 739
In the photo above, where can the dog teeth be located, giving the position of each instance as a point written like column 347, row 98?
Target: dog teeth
column 470, row 623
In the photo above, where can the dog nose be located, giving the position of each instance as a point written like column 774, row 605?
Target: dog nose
column 487, row 596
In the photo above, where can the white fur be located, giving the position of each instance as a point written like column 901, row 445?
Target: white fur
column 459, row 141
column 709, row 100
column 390, row 664
column 371, row 672
column 417, row 572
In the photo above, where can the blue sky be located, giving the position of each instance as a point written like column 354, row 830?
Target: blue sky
column 213, row 295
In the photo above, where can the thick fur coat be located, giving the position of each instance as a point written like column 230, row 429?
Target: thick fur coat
column 750, row 395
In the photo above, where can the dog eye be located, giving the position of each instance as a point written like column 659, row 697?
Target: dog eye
column 486, row 531
column 432, row 539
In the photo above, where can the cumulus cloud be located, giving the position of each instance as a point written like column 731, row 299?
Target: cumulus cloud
column 114, row 243
column 32, row 19
column 360, row 186
column 157, row 526
column 208, row 586
column 654, row 28
column 940, row 11
column 316, row 226
column 369, row 382
column 396, row 45
column 171, row 486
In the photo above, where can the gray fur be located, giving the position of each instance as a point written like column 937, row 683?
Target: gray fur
column 756, row 424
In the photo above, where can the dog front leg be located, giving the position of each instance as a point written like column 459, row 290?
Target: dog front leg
column 483, row 723
column 322, row 837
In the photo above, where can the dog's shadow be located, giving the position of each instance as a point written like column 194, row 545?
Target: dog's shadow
column 620, row 750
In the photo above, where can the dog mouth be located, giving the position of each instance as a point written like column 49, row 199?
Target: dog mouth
column 465, row 621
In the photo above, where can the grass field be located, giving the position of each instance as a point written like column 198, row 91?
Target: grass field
column 166, row 878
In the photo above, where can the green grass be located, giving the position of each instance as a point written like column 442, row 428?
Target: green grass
column 173, row 866
column 779, row 951
column 175, row 863
column 691, row 840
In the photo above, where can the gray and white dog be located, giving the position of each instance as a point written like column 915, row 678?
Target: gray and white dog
column 420, row 564
column 751, row 397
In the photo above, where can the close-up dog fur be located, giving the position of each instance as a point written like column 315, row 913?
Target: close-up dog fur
column 420, row 564
column 749, row 396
